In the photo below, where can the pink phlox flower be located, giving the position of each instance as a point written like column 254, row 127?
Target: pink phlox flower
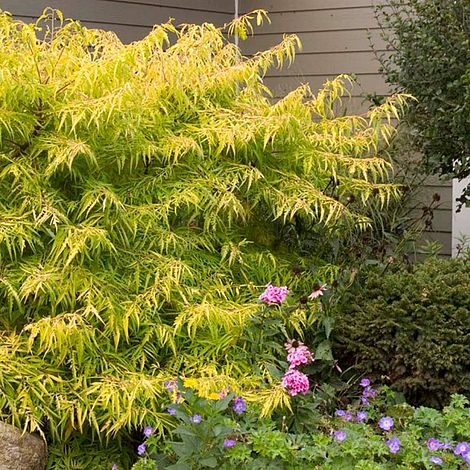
column 295, row 382
column 273, row 294
column 298, row 356
column 317, row 292
column 224, row 393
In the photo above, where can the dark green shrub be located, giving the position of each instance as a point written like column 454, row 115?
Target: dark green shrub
column 412, row 328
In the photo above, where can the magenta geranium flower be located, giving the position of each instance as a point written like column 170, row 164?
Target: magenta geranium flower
column 228, row 443
column 433, row 444
column 462, row 448
column 361, row 416
column 196, row 419
column 369, row 392
column 239, row 405
column 435, row 460
column 466, row 457
column 365, row 382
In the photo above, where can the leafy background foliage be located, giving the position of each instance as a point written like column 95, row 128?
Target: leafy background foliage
column 429, row 57
column 145, row 191
column 411, row 328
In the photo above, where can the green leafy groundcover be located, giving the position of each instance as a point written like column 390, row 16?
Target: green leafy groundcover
column 376, row 431
column 144, row 193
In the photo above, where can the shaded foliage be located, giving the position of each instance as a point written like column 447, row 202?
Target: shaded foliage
column 429, row 57
column 412, row 328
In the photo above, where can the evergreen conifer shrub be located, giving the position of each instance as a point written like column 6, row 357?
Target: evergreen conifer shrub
column 143, row 190
column 411, row 329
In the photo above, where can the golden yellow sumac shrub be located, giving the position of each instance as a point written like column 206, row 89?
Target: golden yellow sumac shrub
column 143, row 192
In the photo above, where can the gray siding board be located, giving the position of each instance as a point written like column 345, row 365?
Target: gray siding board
column 275, row 6
column 444, row 238
column 335, row 40
column 424, row 197
column 281, row 85
column 131, row 20
column 126, row 33
column 330, row 64
column 221, row 6
column 438, row 181
column 356, row 105
column 321, row 20
column 102, row 11
column 325, row 41
column 442, row 218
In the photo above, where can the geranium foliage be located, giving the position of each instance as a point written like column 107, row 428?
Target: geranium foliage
column 143, row 192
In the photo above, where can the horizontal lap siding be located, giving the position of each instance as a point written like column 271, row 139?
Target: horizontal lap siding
column 319, row 42
column 336, row 38
column 281, row 85
column 305, row 5
column 130, row 19
column 341, row 19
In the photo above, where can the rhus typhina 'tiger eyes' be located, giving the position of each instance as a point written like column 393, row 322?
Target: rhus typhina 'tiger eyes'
column 143, row 191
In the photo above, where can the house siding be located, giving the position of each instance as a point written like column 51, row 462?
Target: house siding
column 336, row 38
column 131, row 20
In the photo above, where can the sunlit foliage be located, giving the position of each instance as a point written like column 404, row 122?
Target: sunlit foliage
column 143, row 189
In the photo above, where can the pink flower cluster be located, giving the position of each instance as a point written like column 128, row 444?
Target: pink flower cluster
column 274, row 295
column 299, row 355
column 295, row 382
